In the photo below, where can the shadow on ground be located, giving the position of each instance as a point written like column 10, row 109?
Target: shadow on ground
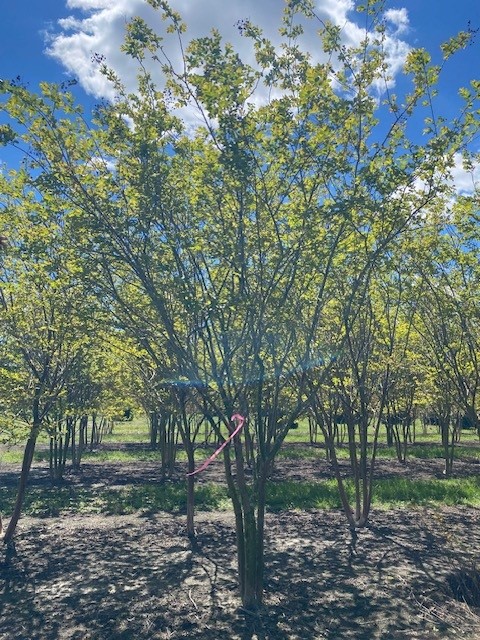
column 124, row 577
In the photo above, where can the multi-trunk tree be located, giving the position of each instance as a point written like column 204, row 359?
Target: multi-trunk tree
column 447, row 318
column 243, row 235
column 46, row 317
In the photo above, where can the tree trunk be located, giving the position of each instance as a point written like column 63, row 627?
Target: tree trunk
column 249, row 528
column 251, row 588
column 250, row 537
column 22, row 485
column 82, row 440
column 448, row 441
column 389, row 435
column 190, row 491
column 153, row 418
column 260, row 563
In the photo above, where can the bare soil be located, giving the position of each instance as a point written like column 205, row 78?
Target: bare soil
column 91, row 577
column 286, row 468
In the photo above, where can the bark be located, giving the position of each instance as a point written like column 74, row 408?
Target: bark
column 188, row 430
column 22, row 485
column 190, row 492
column 253, row 515
column 260, row 562
column 249, row 528
column 237, row 509
column 448, row 441
column 153, row 417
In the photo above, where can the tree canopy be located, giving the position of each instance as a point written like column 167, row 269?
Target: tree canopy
column 280, row 247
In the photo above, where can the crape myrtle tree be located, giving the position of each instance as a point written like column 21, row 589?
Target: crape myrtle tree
column 374, row 370
column 154, row 396
column 12, row 405
column 355, row 393
column 405, row 366
column 164, row 396
column 237, row 231
column 41, row 303
column 448, row 319
column 172, row 407
column 12, row 374
column 12, row 430
column 94, row 395
column 443, row 399
column 464, row 278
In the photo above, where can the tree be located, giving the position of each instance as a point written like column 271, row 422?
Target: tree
column 355, row 393
column 447, row 320
column 41, row 301
column 240, row 235
column 396, row 331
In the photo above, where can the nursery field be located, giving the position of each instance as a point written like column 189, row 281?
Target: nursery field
column 260, row 228
column 104, row 554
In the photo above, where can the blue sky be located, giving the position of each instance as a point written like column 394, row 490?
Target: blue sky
column 74, row 29
column 22, row 41
column 25, row 23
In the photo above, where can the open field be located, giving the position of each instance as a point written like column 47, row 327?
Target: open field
column 105, row 556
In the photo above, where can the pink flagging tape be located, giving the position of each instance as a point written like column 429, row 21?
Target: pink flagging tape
column 240, row 420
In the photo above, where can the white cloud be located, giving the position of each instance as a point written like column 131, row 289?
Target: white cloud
column 86, row 5
column 399, row 19
column 462, row 179
column 465, row 179
column 98, row 26
column 100, row 32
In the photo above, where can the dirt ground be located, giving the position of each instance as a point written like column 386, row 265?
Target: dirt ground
column 286, row 468
column 90, row 577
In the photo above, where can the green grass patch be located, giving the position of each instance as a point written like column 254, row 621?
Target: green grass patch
column 309, row 452
column 122, row 455
column 387, row 492
column 171, row 496
column 302, row 433
column 302, row 495
column 421, row 451
column 452, row 491
column 301, row 453
column 11, row 456
column 99, row 455
column 431, row 451
column 290, row 451
column 136, row 430
column 15, row 456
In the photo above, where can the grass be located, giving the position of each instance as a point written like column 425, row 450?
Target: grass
column 97, row 456
column 387, row 492
column 452, row 491
column 291, row 451
column 302, row 495
column 171, row 497
column 302, row 453
column 431, row 451
column 122, row 455
column 421, row 450
column 428, row 436
column 136, row 430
